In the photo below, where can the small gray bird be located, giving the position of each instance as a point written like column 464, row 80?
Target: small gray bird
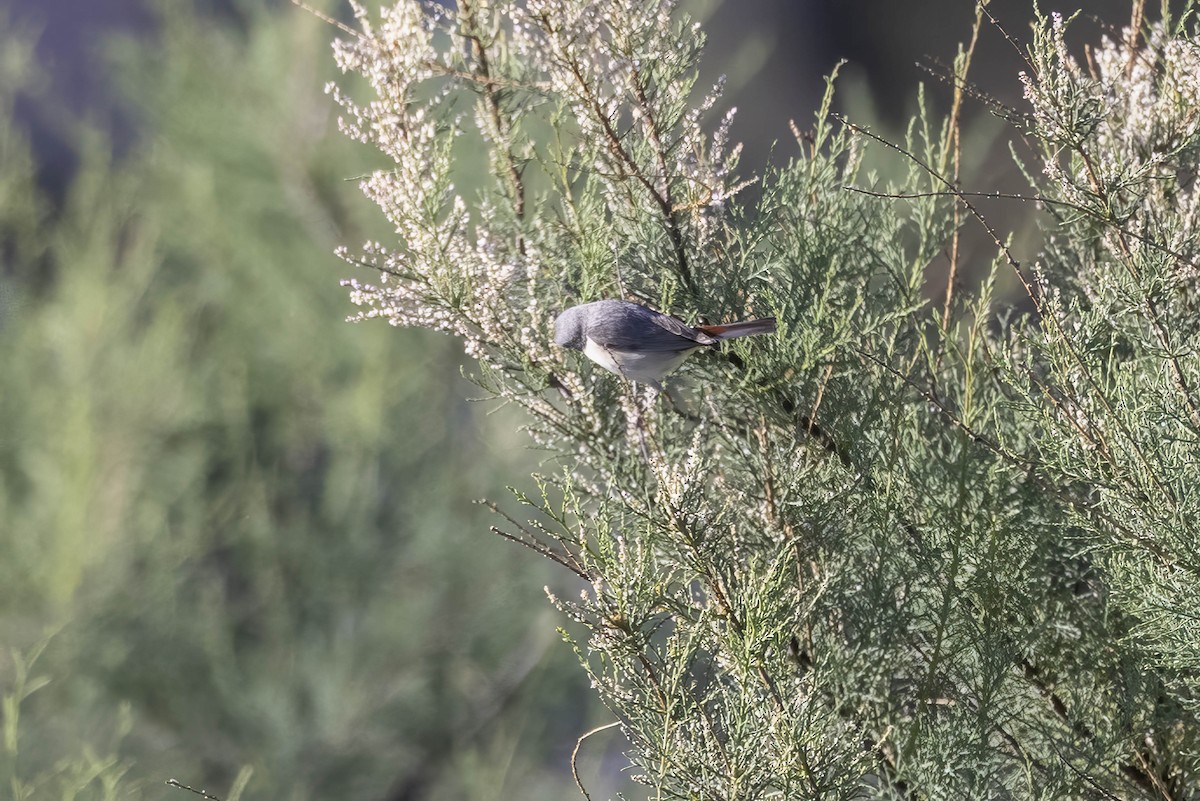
column 639, row 343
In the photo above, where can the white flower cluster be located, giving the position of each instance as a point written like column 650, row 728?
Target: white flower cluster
column 1120, row 144
column 451, row 270
column 601, row 86
column 1123, row 137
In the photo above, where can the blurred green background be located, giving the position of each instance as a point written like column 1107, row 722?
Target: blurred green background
column 237, row 537
column 241, row 528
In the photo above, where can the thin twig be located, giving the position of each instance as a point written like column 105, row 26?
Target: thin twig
column 1135, row 30
column 201, row 793
column 946, row 74
column 321, row 15
column 531, row 541
column 995, row 195
column 955, row 135
column 470, row 16
column 674, row 229
column 962, row 198
column 575, row 755
column 1008, row 37
column 825, row 377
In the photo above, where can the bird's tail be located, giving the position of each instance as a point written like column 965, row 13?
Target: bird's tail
column 745, row 329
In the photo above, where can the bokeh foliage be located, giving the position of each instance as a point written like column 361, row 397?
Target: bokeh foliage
column 236, row 532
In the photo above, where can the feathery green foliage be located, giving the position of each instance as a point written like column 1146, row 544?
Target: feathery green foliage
column 899, row 550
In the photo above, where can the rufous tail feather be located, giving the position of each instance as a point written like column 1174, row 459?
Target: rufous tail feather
column 745, row 329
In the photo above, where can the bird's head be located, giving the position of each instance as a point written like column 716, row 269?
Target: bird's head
column 569, row 328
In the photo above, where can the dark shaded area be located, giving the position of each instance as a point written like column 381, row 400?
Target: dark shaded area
column 70, row 37
column 775, row 52
column 884, row 44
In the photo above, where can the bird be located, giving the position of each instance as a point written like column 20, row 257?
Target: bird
column 639, row 343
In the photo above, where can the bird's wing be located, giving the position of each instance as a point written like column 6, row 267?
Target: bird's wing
column 681, row 329
column 647, row 331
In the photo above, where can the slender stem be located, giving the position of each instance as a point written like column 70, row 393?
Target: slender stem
column 955, row 134
column 502, row 126
column 1135, row 30
column 575, row 755
column 674, row 230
